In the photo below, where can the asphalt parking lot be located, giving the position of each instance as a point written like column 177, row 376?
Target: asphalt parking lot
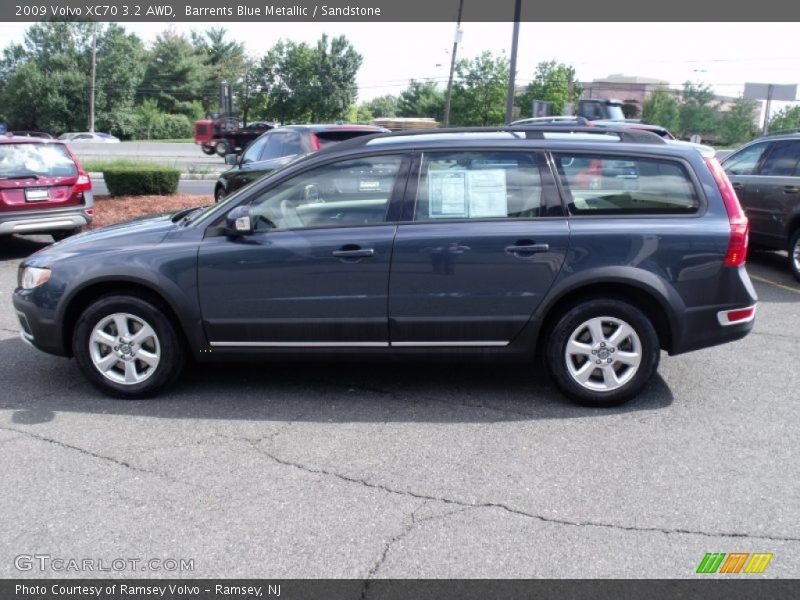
column 407, row 470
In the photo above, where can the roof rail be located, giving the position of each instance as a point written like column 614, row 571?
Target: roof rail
column 531, row 132
column 781, row 132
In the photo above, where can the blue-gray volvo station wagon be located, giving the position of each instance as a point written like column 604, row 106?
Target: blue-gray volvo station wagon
column 593, row 249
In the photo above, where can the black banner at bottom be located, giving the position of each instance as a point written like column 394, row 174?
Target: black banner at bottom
column 394, row 589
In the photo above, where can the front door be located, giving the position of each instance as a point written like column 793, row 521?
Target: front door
column 315, row 272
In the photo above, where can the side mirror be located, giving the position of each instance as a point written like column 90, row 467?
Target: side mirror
column 232, row 159
column 239, row 221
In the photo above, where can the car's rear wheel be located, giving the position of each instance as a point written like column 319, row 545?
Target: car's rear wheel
column 794, row 254
column 208, row 150
column 127, row 347
column 602, row 352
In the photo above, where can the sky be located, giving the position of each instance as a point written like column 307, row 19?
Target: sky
column 723, row 55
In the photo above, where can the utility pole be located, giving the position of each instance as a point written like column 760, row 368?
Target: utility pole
column 512, row 75
column 457, row 39
column 92, row 77
column 770, row 89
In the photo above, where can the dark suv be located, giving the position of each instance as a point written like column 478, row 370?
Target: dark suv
column 766, row 176
column 280, row 146
column 43, row 188
column 597, row 248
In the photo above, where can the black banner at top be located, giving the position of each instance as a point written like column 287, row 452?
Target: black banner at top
column 269, row 11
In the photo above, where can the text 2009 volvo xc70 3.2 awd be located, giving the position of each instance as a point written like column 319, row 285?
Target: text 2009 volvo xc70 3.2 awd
column 594, row 248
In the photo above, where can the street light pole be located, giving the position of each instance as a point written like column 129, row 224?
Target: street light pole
column 92, row 78
column 446, row 119
column 512, row 76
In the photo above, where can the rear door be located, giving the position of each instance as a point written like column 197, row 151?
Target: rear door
column 778, row 191
column 477, row 251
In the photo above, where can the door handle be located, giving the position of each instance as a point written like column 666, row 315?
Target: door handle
column 349, row 252
column 790, row 189
column 737, row 186
column 527, row 248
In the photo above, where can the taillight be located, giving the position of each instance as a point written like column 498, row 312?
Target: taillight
column 83, row 184
column 737, row 246
column 315, row 145
column 736, row 316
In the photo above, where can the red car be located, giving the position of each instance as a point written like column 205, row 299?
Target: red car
column 43, row 188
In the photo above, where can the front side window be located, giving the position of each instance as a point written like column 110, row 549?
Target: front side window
column 253, row 152
column 478, row 185
column 626, row 185
column 347, row 193
column 745, row 161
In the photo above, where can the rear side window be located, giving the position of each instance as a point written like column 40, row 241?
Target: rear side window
column 479, row 185
column 35, row 160
column 626, row 185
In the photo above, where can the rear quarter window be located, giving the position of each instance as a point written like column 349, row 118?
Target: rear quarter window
column 626, row 185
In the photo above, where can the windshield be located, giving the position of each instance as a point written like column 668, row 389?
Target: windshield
column 40, row 160
column 615, row 112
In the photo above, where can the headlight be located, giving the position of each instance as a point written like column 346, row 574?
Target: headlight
column 34, row 277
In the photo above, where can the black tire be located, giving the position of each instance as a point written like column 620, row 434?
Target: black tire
column 208, row 150
column 65, row 233
column 222, row 148
column 611, row 313
column 219, row 194
column 794, row 254
column 167, row 346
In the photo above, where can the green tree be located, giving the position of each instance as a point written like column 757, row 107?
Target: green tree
column 661, row 108
column 175, row 76
column 785, row 120
column 311, row 83
column 383, row 106
column 698, row 111
column 421, row 99
column 121, row 60
column 551, row 82
column 737, row 125
column 479, row 91
column 225, row 60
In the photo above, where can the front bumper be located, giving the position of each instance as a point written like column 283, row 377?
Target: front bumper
column 38, row 326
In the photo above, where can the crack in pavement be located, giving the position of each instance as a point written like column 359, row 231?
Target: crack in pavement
column 516, row 511
column 782, row 336
column 111, row 459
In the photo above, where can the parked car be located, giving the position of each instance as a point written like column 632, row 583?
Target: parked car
column 43, row 188
column 280, row 146
column 26, row 133
column 596, row 248
column 86, row 136
column 766, row 178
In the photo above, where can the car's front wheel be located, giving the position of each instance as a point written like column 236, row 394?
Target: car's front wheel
column 127, row 347
column 794, row 254
column 219, row 194
column 602, row 352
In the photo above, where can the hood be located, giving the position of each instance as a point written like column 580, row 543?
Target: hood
column 143, row 231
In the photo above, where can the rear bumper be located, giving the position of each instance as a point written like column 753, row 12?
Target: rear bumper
column 45, row 220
